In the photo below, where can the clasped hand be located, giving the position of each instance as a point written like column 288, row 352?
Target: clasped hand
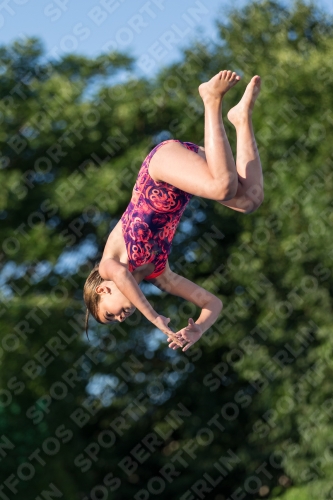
column 185, row 338
column 188, row 335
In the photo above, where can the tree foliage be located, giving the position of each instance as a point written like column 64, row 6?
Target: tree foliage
column 247, row 412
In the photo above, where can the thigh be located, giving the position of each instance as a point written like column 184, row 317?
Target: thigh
column 175, row 164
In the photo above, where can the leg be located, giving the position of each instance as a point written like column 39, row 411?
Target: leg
column 250, row 179
column 218, row 153
column 213, row 176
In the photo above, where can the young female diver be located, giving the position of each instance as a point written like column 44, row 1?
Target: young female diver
column 138, row 247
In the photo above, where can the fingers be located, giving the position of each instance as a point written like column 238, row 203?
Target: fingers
column 170, row 333
column 187, row 346
column 178, row 342
column 172, row 339
column 176, row 339
column 176, row 336
column 173, row 344
column 172, row 336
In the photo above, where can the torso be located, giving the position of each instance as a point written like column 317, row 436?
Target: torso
column 115, row 247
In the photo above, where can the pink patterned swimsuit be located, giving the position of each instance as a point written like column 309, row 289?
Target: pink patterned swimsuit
column 152, row 216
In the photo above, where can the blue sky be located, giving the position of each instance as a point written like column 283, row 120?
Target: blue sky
column 151, row 30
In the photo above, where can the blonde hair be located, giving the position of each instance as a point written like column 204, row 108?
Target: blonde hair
column 90, row 297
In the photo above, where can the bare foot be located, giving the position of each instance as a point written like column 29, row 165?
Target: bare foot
column 243, row 110
column 218, row 86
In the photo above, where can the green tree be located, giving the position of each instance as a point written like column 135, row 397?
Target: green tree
column 245, row 413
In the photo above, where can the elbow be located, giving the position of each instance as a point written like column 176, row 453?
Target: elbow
column 214, row 303
column 218, row 304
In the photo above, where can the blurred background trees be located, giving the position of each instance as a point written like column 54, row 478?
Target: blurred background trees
column 247, row 412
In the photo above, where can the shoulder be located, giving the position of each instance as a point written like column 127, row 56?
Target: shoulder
column 108, row 268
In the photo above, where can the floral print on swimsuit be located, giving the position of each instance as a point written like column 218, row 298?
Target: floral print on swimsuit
column 152, row 216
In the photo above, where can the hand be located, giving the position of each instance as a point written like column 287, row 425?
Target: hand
column 161, row 322
column 191, row 334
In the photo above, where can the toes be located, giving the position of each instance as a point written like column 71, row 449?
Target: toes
column 256, row 83
column 235, row 78
column 229, row 75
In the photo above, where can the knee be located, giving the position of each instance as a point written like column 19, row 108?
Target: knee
column 256, row 195
column 253, row 205
column 227, row 191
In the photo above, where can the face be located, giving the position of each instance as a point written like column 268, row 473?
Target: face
column 113, row 306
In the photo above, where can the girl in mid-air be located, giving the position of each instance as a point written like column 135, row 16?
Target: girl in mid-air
column 139, row 245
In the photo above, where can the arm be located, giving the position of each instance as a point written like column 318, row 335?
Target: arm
column 111, row 269
column 210, row 305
